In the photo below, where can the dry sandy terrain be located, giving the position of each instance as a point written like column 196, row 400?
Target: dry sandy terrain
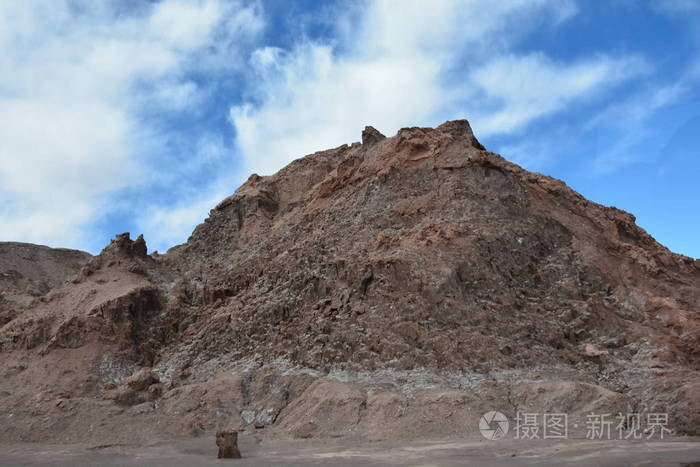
column 449, row 452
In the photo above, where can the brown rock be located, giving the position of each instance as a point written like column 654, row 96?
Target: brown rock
column 123, row 245
column 326, row 408
column 370, row 136
column 417, row 259
column 227, row 441
column 140, row 387
column 141, row 380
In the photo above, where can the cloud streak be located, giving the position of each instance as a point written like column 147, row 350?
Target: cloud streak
column 527, row 87
column 76, row 78
column 400, row 64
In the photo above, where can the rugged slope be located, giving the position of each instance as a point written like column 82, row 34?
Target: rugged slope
column 28, row 271
column 397, row 287
column 447, row 253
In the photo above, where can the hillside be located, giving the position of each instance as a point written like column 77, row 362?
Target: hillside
column 393, row 288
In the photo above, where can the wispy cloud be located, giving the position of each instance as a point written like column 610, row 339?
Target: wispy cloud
column 76, row 78
column 402, row 64
column 631, row 120
column 166, row 226
column 523, row 88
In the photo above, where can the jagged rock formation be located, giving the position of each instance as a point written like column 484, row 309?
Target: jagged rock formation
column 363, row 287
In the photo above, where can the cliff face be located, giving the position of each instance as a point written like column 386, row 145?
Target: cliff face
column 425, row 250
column 419, row 262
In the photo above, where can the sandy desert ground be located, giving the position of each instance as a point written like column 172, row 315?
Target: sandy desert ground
column 448, row 452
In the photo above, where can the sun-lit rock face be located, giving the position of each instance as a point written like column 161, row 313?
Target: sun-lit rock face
column 420, row 259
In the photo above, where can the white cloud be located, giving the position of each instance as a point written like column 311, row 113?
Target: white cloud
column 402, row 64
column 165, row 226
column 171, row 222
column 175, row 95
column 527, row 87
column 318, row 102
column 184, row 24
column 632, row 120
column 534, row 153
column 75, row 76
column 640, row 106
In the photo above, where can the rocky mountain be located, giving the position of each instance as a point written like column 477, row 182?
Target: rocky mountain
column 397, row 287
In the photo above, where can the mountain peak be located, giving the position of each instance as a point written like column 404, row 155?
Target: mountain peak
column 371, row 135
column 418, row 262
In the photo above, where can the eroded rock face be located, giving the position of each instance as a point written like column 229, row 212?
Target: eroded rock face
column 427, row 251
column 371, row 135
column 142, row 386
column 319, row 292
column 28, row 272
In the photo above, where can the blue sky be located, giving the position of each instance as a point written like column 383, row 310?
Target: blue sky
column 140, row 116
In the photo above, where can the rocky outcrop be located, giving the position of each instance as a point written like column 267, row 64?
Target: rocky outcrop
column 122, row 252
column 370, row 136
column 393, row 288
column 142, row 386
